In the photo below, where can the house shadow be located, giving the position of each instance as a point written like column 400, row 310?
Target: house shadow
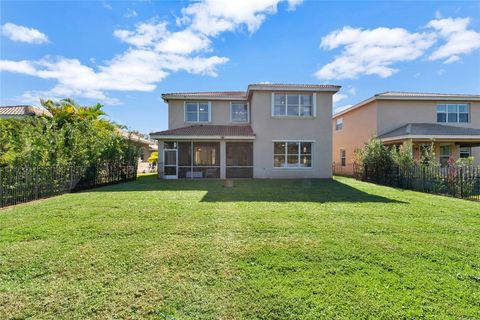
column 263, row 190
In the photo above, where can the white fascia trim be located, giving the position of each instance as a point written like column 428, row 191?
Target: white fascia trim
column 291, row 88
column 439, row 137
column 160, row 137
column 465, row 99
column 204, row 98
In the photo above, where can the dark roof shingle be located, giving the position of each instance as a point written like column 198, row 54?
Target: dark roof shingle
column 429, row 129
column 208, row 130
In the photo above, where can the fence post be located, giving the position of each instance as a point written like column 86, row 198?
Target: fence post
column 1, row 188
column 461, row 181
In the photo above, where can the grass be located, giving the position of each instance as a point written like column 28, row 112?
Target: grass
column 262, row 250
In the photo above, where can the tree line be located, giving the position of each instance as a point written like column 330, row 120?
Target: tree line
column 73, row 135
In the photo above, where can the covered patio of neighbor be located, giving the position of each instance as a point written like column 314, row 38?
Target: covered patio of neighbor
column 449, row 142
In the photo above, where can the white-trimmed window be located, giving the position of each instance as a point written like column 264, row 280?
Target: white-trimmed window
column 292, row 154
column 197, row 111
column 293, row 105
column 239, row 112
column 343, row 157
column 339, row 124
column 465, row 151
column 453, row 113
column 445, row 154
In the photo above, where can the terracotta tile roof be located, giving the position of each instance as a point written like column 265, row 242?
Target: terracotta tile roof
column 243, row 95
column 294, row 85
column 22, row 110
column 411, row 96
column 430, row 129
column 219, row 94
column 208, row 130
column 424, row 94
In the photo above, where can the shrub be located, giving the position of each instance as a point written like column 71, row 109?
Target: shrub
column 77, row 135
column 153, row 157
column 375, row 156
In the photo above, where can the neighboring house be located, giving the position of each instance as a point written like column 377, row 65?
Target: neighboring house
column 22, row 111
column 269, row 131
column 145, row 148
column 450, row 121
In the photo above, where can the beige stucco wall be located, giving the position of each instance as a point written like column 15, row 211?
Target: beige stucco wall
column 476, row 155
column 268, row 129
column 359, row 126
column 220, row 114
column 395, row 113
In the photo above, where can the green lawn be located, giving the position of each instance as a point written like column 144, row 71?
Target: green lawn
column 262, row 250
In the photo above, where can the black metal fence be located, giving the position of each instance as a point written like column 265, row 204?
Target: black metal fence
column 453, row 180
column 24, row 184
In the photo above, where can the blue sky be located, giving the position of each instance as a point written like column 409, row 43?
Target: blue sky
column 125, row 54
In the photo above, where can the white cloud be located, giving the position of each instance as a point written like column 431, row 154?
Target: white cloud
column 23, row 34
column 211, row 17
column 371, row 51
column 337, row 97
column 155, row 51
column 145, row 34
column 376, row 51
column 459, row 40
column 107, row 6
column 130, row 13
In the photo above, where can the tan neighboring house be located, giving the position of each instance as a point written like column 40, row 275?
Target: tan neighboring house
column 267, row 131
column 451, row 121
column 22, row 111
column 145, row 148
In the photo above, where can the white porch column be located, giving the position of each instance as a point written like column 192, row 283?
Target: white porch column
column 223, row 160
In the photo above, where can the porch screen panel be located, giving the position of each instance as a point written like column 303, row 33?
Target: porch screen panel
column 239, row 159
column 184, row 158
column 206, row 160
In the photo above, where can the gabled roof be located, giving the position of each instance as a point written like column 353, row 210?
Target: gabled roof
column 398, row 95
column 23, row 110
column 429, row 130
column 207, row 131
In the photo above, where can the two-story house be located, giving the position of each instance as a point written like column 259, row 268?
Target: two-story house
column 450, row 121
column 268, row 131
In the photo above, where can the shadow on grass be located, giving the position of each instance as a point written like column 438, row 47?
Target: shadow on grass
column 314, row 190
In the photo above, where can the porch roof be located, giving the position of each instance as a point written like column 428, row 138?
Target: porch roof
column 431, row 131
column 207, row 131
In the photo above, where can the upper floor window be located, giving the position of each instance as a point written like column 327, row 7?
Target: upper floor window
column 453, row 113
column 293, row 105
column 197, row 112
column 238, row 112
column 339, row 124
